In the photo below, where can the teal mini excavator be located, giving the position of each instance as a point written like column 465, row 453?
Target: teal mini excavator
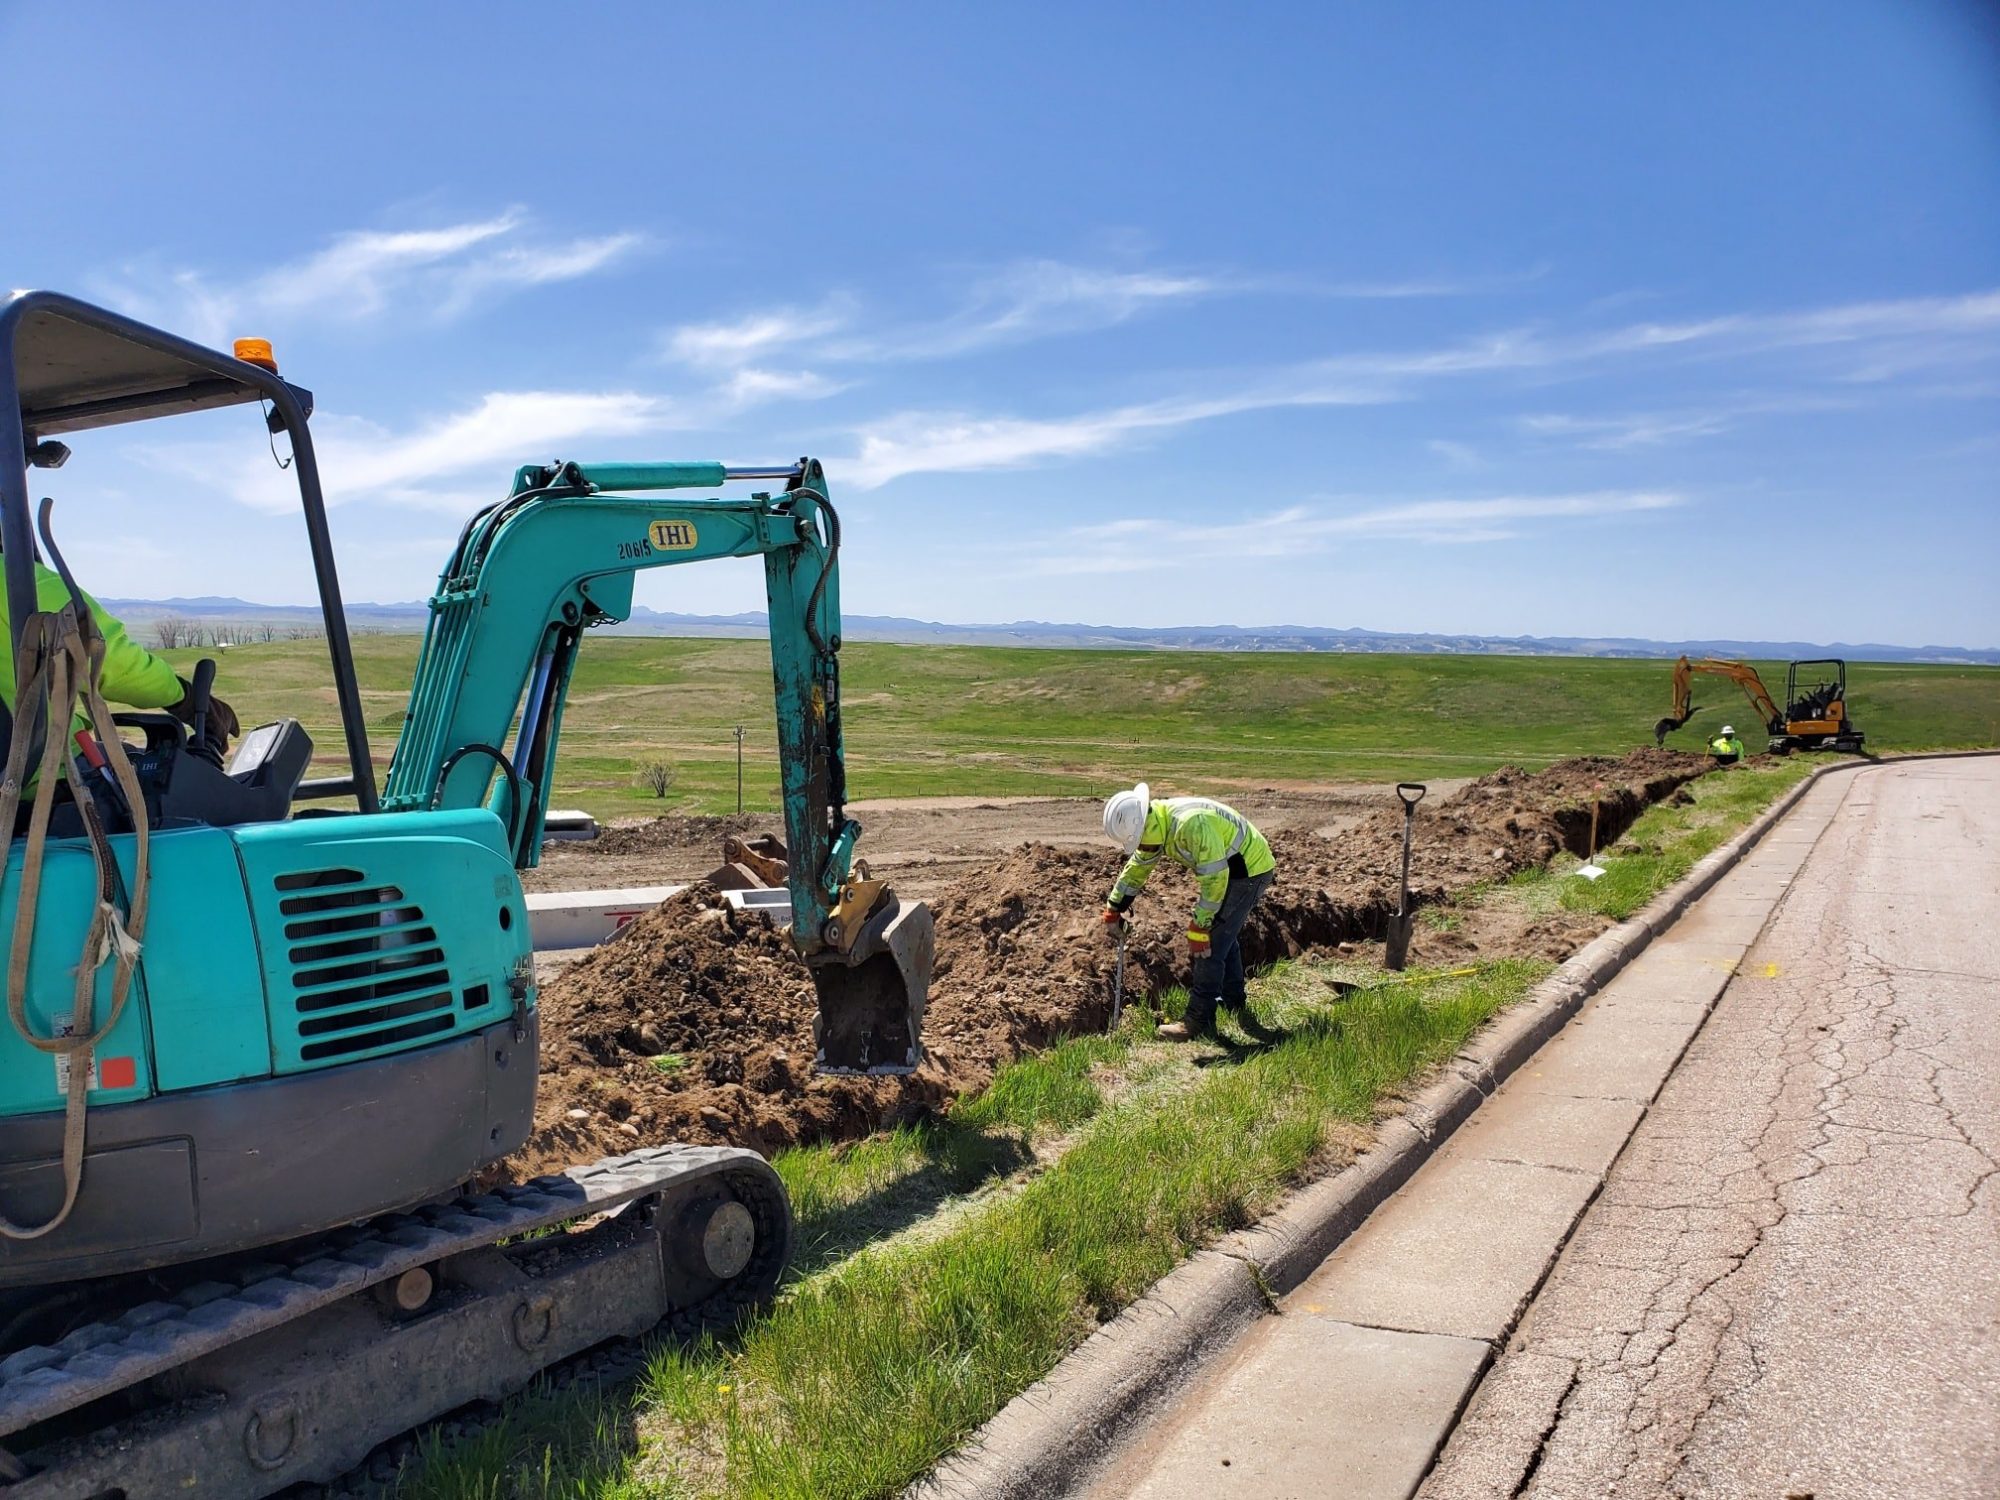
column 258, row 1048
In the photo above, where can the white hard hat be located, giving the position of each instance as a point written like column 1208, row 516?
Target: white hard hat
column 1729, row 729
column 1125, row 816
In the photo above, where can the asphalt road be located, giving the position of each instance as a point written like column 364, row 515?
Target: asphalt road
column 1789, row 1285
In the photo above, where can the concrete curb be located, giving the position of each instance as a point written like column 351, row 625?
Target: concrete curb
column 1042, row 1440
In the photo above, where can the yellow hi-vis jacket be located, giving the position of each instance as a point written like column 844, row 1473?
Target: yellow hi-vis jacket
column 132, row 674
column 1202, row 834
column 1721, row 746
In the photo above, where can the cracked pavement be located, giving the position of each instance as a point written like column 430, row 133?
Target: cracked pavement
column 1789, row 1282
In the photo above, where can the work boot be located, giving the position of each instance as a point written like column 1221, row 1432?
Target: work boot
column 1193, row 1024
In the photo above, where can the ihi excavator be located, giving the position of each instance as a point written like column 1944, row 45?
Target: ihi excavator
column 257, row 1049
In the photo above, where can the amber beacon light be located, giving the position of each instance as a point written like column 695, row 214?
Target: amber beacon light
column 257, row 352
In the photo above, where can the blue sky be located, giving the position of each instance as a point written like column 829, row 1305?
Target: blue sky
column 1574, row 319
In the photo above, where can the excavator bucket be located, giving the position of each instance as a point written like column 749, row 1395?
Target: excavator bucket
column 872, row 989
column 871, row 998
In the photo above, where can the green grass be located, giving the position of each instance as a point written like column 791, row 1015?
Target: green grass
column 927, row 720
column 876, row 1364
column 944, row 1267
column 1658, row 849
column 1667, row 840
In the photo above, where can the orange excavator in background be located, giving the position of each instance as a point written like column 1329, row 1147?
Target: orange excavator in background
column 1814, row 718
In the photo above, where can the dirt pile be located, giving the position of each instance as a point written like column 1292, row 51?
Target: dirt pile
column 695, row 1023
column 677, row 833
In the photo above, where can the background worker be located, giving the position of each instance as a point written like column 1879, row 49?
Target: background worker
column 1725, row 747
column 1232, row 864
column 132, row 675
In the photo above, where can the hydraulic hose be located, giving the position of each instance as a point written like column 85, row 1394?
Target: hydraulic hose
column 514, row 807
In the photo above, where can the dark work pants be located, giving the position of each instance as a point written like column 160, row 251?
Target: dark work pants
column 1219, row 977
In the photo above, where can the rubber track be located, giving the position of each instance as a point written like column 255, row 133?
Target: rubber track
column 608, row 1366
column 93, row 1361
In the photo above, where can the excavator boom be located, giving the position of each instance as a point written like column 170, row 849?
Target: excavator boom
column 558, row 556
column 1741, row 673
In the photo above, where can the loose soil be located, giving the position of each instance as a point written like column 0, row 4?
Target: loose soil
column 922, row 844
column 695, row 1023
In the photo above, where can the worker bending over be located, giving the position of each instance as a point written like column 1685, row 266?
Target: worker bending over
column 1725, row 747
column 132, row 675
column 1233, row 865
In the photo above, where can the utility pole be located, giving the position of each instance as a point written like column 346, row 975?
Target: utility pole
column 739, row 768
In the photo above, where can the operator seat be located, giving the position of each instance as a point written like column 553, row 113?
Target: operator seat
column 184, row 787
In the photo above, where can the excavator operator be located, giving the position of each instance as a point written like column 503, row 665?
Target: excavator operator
column 1725, row 747
column 1232, row 864
column 132, row 675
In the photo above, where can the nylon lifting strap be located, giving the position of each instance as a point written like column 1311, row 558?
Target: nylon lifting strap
column 61, row 659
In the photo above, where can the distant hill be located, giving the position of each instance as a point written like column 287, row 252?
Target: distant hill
column 243, row 620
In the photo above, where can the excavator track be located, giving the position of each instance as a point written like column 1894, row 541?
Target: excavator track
column 290, row 1367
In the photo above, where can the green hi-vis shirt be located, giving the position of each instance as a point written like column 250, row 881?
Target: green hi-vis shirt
column 1202, row 834
column 1720, row 746
column 132, row 674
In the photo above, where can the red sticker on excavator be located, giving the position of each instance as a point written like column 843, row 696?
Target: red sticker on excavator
column 118, row 1073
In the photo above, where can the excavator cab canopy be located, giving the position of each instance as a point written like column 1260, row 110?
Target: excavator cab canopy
column 67, row 366
column 1815, row 694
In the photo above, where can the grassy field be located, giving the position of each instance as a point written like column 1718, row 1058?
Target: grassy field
column 932, row 720
column 944, row 1268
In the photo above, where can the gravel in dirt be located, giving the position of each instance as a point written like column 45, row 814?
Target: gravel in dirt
column 695, row 1023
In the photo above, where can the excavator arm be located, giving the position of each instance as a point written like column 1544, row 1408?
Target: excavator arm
column 1741, row 673
column 531, row 574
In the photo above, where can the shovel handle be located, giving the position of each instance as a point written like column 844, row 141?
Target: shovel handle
column 1118, row 982
column 1411, row 792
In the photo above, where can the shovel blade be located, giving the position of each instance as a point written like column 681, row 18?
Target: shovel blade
column 1396, row 945
column 871, row 1000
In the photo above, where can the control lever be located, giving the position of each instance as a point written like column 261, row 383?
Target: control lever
column 198, row 694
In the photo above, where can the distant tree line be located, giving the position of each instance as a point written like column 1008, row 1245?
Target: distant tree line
column 174, row 632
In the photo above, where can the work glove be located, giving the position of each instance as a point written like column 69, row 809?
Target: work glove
column 1112, row 925
column 1197, row 940
column 217, row 730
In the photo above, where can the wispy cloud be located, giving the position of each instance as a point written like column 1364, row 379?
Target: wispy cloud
column 1953, row 330
column 1635, row 430
column 1135, row 545
column 1032, row 300
column 437, row 273
column 451, row 463
column 932, row 442
column 1456, row 454
column 755, row 336
column 1016, row 304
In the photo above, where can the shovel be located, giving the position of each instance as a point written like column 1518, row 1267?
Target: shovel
column 1118, row 981
column 1397, row 947
column 1590, row 869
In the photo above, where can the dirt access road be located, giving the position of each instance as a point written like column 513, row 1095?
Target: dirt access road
column 923, row 843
